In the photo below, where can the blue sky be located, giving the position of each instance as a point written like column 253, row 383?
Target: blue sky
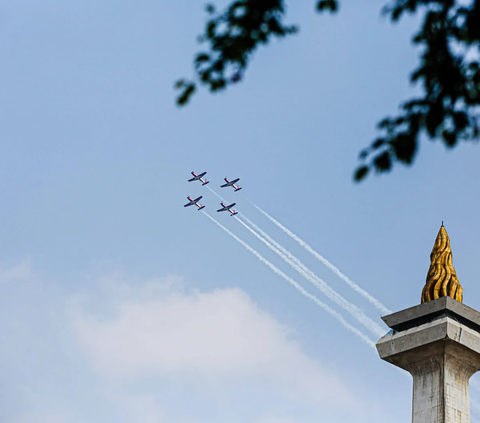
column 117, row 304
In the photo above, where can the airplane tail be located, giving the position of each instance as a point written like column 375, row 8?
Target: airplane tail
column 238, row 189
column 202, row 207
column 206, row 182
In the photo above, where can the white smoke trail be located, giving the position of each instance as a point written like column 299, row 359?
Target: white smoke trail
column 297, row 286
column 320, row 283
column 333, row 268
column 213, row 192
column 315, row 280
column 312, row 277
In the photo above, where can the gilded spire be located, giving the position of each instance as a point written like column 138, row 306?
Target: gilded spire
column 441, row 278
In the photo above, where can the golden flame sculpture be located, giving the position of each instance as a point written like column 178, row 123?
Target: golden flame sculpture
column 441, row 278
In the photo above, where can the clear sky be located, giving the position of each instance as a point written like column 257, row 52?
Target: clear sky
column 117, row 304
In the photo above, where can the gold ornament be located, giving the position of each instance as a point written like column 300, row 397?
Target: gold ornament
column 441, row 278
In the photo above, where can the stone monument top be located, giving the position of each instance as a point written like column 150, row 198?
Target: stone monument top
column 437, row 342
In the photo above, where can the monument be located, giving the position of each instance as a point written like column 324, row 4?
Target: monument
column 437, row 342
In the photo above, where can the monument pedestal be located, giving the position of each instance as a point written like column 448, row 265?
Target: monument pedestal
column 438, row 343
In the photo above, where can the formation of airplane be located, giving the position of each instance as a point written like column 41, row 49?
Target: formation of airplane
column 231, row 184
column 194, row 202
column 199, row 178
column 228, row 208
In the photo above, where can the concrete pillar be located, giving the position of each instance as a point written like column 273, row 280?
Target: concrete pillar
column 438, row 343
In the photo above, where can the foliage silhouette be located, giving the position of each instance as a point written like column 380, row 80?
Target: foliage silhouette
column 449, row 70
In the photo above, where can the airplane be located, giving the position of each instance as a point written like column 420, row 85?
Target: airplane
column 196, row 202
column 199, row 178
column 231, row 184
column 228, row 208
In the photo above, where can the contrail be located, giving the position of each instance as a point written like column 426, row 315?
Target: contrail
column 315, row 280
column 320, row 283
column 312, row 277
column 213, row 192
column 333, row 268
column 297, row 286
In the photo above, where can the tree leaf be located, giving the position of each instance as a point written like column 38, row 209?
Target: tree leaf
column 360, row 173
column 327, row 5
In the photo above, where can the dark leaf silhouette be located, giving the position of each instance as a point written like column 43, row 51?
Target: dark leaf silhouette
column 448, row 71
column 360, row 173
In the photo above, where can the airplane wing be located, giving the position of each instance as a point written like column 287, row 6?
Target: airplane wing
column 190, row 180
column 190, row 202
column 202, row 174
column 223, row 209
column 224, row 185
column 198, row 199
column 235, row 181
column 231, row 205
